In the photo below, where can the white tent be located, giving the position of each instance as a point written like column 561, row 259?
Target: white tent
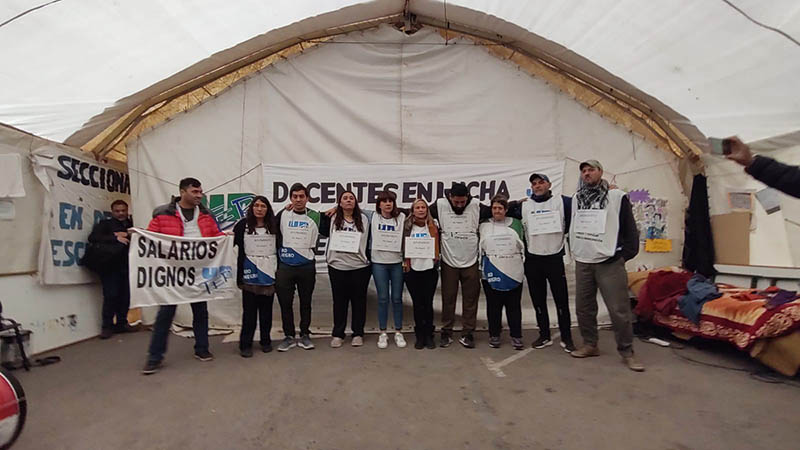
column 637, row 84
column 71, row 69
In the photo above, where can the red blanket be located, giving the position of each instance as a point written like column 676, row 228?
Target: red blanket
column 660, row 293
column 737, row 321
column 731, row 317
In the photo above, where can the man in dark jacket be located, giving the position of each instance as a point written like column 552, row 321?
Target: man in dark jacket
column 112, row 235
column 782, row 177
column 183, row 216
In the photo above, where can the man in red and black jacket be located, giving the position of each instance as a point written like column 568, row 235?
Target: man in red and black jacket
column 183, row 216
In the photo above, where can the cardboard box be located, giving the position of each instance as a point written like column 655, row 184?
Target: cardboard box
column 731, row 238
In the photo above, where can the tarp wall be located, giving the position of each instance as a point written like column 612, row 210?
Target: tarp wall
column 382, row 96
column 57, row 315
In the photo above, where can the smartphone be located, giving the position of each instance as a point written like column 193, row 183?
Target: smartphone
column 720, row 146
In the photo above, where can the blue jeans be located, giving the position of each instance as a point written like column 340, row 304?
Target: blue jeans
column 389, row 280
column 158, row 341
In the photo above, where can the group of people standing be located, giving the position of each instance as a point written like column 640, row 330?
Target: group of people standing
column 469, row 244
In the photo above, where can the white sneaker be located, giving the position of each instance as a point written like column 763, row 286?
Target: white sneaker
column 336, row 342
column 399, row 340
column 383, row 340
column 358, row 341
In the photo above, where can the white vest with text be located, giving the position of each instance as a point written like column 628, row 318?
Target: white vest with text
column 597, row 247
column 459, row 233
column 549, row 243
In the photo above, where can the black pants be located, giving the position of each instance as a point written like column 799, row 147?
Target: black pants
column 116, row 298
column 495, row 302
column 422, row 287
column 255, row 307
column 541, row 270
column 349, row 287
column 303, row 277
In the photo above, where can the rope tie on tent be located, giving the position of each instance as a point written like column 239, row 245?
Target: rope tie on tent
column 773, row 29
column 235, row 178
column 27, row 12
column 209, row 190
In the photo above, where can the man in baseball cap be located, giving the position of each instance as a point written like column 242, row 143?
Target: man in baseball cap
column 546, row 219
column 539, row 176
column 602, row 237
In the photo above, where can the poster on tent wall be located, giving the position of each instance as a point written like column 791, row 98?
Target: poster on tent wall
column 408, row 181
column 171, row 270
column 78, row 194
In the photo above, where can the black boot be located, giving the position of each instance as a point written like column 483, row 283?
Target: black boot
column 420, row 335
column 429, row 339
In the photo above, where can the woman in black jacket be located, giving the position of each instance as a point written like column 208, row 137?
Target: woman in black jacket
column 255, row 237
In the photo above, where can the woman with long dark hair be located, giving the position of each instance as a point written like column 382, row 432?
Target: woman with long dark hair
column 255, row 237
column 348, row 267
column 387, row 264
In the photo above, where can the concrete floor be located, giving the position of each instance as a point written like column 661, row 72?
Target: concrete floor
column 402, row 398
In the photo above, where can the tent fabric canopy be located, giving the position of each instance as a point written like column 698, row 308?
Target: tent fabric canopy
column 71, row 69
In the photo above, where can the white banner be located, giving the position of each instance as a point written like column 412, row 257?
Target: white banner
column 79, row 192
column 170, row 270
column 409, row 181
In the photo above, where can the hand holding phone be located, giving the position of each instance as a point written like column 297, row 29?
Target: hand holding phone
column 732, row 148
column 720, row 146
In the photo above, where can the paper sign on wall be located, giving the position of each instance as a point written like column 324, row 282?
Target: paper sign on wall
column 658, row 245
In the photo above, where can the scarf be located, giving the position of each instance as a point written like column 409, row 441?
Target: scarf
column 542, row 198
column 588, row 195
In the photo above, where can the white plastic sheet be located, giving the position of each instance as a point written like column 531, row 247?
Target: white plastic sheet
column 700, row 63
